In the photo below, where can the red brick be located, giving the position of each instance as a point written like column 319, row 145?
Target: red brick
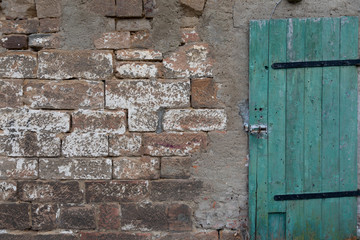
column 175, row 190
column 44, row 41
column 197, row 5
column 109, row 216
column 18, row 64
column 85, row 145
column 11, row 93
column 77, row 217
column 15, row 42
column 175, row 167
column 70, row 94
column 15, row 216
column 49, row 25
column 113, row 40
column 141, row 39
column 144, row 217
column 204, row 93
column 19, row 26
column 129, row 8
column 30, row 144
column 179, row 216
column 18, row 9
column 99, row 121
column 125, row 145
column 189, row 61
column 18, row 168
column 8, row 191
column 112, row 236
column 63, row 192
column 194, row 120
column 179, row 144
column 138, row 70
column 189, row 35
column 138, row 55
column 48, row 8
column 116, row 191
column 136, row 168
column 87, row 64
column 150, row 8
column 43, row 216
column 202, row 235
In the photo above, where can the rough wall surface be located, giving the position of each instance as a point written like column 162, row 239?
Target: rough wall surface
column 122, row 119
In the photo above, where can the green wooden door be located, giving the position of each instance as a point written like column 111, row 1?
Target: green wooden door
column 311, row 119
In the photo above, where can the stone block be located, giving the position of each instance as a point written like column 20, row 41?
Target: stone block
column 125, row 145
column 8, row 191
column 113, row 40
column 27, row 26
column 18, row 8
column 127, row 168
column 49, row 25
column 18, row 168
column 138, row 55
column 14, row 42
column 11, row 93
column 48, row 8
column 175, row 167
column 18, row 65
column 77, row 217
column 204, row 93
column 43, row 216
column 138, row 70
column 14, row 216
column 129, row 8
column 85, row 145
column 109, row 216
column 175, row 190
column 44, row 41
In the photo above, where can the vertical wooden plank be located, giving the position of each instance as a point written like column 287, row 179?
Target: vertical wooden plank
column 258, row 77
column 330, row 129
column 348, row 125
column 277, row 226
column 295, row 129
column 312, row 128
column 276, row 115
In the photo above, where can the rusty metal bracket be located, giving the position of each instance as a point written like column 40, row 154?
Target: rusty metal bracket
column 311, row 64
column 305, row 196
column 255, row 129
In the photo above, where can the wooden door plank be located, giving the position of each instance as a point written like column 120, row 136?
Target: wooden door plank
column 276, row 115
column 348, row 125
column 312, row 127
column 277, row 226
column 258, row 115
column 294, row 129
column 330, row 129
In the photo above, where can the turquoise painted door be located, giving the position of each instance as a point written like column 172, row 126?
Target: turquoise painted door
column 311, row 118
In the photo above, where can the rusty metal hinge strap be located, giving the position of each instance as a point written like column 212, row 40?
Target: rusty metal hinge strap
column 306, row 196
column 311, row 64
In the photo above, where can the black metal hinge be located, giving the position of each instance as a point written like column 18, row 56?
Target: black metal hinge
column 305, row 196
column 311, row 64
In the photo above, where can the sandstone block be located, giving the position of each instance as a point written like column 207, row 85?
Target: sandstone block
column 11, row 93
column 136, row 168
column 109, row 216
column 87, row 64
column 132, row 25
column 113, row 40
column 138, row 55
column 15, row 42
column 69, row 94
column 49, row 25
column 204, row 93
column 175, row 190
column 143, row 119
column 197, row 5
column 77, row 217
column 102, row 7
column 116, row 235
column 48, row 8
column 129, row 8
column 43, row 216
column 201, row 235
column 44, row 41
column 138, row 70
column 14, row 216
column 8, row 191
column 175, row 167
column 141, row 39
column 125, row 145
column 40, row 236
column 179, row 217
column 85, row 145
column 18, row 8
column 27, row 26
column 59, row 168
column 18, row 168
column 18, row 65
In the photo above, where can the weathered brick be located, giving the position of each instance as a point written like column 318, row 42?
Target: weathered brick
column 55, row 191
column 129, row 93
column 52, row 168
column 49, row 25
column 8, row 191
column 39, row 236
column 175, row 167
column 109, row 216
column 197, row 5
column 48, row 8
column 136, row 168
column 230, row 235
column 189, row 35
column 180, row 144
column 194, row 120
column 18, row 65
column 193, row 60
column 102, row 7
column 144, row 217
column 30, row 144
column 204, row 93
column 175, row 190
column 150, row 8
column 141, row 39
column 129, row 8
column 125, row 145
column 44, row 41
column 19, row 26
column 113, row 40
column 77, row 217
column 61, row 64
column 112, row 236
column 85, row 145
column 116, row 191
column 179, row 216
column 99, row 121
column 69, row 94
column 143, row 119
column 43, row 216
column 11, row 93
column 18, row 168
column 138, row 55
column 138, row 70
column 18, row 9
column 15, row 42
column 14, row 216
column 34, row 120
column 132, row 25
column 202, row 235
